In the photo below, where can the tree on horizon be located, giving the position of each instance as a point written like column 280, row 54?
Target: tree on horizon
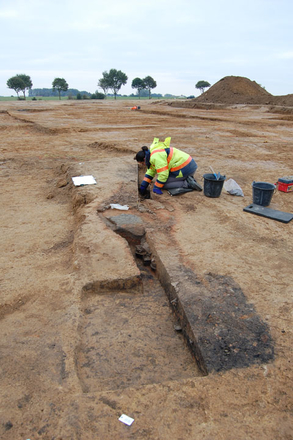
column 59, row 84
column 150, row 83
column 113, row 80
column 201, row 85
column 20, row 83
column 138, row 84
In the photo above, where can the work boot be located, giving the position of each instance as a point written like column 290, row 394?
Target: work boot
column 192, row 183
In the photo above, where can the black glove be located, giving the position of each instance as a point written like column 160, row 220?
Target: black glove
column 142, row 190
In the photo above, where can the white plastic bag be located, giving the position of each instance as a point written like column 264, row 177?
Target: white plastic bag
column 233, row 188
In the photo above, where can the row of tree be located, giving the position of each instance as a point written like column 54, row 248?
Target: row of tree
column 46, row 92
column 21, row 83
column 113, row 80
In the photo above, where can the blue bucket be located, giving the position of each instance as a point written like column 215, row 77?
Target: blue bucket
column 262, row 193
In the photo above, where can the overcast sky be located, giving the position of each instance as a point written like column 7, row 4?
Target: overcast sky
column 177, row 42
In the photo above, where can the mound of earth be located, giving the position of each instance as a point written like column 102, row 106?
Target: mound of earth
column 241, row 90
column 285, row 100
column 235, row 89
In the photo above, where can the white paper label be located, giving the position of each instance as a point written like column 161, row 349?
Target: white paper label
column 125, row 419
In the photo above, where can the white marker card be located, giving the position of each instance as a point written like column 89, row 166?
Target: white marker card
column 125, row 419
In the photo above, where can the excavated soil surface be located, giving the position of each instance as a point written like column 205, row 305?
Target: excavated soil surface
column 74, row 359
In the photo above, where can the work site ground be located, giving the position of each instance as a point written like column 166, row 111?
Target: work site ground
column 191, row 339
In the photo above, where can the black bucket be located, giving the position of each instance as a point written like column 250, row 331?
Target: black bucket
column 213, row 187
column 262, row 193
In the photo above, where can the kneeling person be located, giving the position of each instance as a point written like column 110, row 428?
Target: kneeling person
column 174, row 168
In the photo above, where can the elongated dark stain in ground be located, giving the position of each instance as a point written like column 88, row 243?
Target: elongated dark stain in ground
column 223, row 330
column 241, row 338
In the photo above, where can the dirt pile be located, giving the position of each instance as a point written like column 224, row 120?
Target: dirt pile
column 240, row 90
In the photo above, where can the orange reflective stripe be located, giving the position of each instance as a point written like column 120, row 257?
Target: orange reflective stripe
column 157, row 151
column 159, row 170
column 183, row 165
column 170, row 155
column 160, row 185
column 146, row 179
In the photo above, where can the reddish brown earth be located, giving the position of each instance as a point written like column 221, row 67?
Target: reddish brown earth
column 87, row 335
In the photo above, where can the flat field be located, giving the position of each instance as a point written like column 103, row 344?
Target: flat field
column 72, row 363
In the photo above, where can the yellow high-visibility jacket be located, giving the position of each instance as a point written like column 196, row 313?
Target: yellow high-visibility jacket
column 165, row 160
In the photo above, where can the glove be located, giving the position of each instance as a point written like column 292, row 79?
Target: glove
column 142, row 190
column 157, row 191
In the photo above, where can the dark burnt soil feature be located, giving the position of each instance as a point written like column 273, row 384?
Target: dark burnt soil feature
column 238, row 334
column 223, row 330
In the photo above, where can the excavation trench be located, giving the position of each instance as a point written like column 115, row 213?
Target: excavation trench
column 161, row 329
column 130, row 338
column 152, row 270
